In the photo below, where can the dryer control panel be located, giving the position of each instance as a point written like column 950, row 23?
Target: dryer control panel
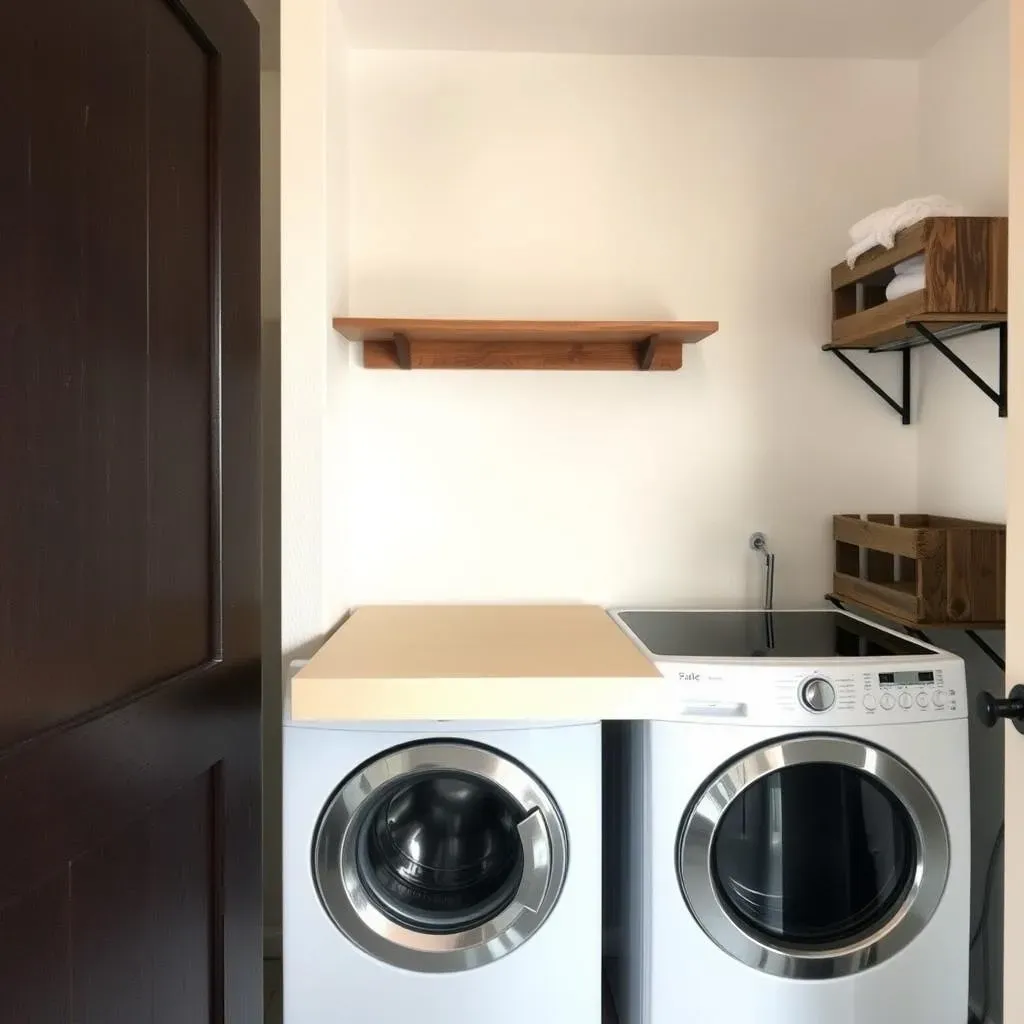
column 853, row 692
column 894, row 692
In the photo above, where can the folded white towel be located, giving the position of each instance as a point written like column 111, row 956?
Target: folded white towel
column 915, row 265
column 882, row 226
column 904, row 284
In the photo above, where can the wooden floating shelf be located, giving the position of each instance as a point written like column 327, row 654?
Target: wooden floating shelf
column 394, row 344
column 905, row 335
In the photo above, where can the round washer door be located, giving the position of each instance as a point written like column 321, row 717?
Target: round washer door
column 440, row 856
column 814, row 857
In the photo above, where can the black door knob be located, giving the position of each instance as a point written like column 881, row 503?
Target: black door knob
column 991, row 709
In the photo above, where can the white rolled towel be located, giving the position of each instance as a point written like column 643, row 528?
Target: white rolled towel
column 904, row 284
column 915, row 265
column 882, row 226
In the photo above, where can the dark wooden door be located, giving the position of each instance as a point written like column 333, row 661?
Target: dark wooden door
column 129, row 523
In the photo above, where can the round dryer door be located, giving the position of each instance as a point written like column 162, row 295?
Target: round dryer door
column 440, row 856
column 814, row 857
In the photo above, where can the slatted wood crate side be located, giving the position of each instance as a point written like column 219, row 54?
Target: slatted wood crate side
column 965, row 264
column 847, row 554
column 881, row 565
column 895, row 599
column 880, row 536
column 908, row 566
column 949, row 570
column 975, row 575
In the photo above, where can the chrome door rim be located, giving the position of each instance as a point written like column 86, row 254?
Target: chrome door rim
column 921, row 900
column 344, row 897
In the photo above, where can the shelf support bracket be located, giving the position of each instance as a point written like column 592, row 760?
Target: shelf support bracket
column 987, row 649
column 903, row 411
column 647, row 349
column 999, row 397
column 983, row 645
column 402, row 351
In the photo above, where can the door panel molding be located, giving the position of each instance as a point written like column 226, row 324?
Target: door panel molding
column 130, row 619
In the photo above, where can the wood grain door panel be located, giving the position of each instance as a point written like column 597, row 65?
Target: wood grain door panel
column 145, row 895
column 129, row 522
column 135, row 890
column 115, row 328
column 34, row 929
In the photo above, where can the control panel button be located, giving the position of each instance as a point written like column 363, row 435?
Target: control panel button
column 887, row 702
column 922, row 700
column 817, row 694
column 869, row 702
column 939, row 699
column 906, row 701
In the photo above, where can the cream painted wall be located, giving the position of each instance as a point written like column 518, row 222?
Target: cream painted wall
column 964, row 145
column 964, row 154
column 576, row 186
column 314, row 200
column 337, row 483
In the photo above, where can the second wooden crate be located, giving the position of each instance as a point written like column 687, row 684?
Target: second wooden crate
column 921, row 569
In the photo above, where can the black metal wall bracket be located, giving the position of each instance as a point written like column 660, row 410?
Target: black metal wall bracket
column 903, row 411
column 928, row 337
column 1000, row 396
column 980, row 642
column 987, row 649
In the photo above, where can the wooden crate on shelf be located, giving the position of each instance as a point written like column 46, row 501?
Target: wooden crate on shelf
column 922, row 570
column 965, row 282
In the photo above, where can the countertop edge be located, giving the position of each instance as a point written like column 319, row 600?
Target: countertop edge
column 535, row 698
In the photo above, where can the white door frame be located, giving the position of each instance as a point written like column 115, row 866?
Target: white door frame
column 1013, row 900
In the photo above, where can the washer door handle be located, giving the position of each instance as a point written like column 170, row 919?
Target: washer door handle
column 533, row 834
column 715, row 708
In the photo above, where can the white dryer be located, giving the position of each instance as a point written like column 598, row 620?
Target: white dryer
column 798, row 845
column 442, row 871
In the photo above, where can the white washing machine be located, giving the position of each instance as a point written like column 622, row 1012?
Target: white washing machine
column 442, row 871
column 797, row 843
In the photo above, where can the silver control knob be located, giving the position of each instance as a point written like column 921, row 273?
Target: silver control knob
column 817, row 694
column 887, row 702
column 939, row 699
column 906, row 701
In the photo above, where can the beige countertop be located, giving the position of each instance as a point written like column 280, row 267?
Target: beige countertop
column 475, row 662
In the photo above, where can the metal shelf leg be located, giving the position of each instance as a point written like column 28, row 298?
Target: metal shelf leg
column 999, row 397
column 902, row 410
column 987, row 649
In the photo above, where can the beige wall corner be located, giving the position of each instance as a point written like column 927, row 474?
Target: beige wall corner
column 313, row 361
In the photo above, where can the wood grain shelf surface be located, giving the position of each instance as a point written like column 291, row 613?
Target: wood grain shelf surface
column 882, row 325
column 391, row 344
